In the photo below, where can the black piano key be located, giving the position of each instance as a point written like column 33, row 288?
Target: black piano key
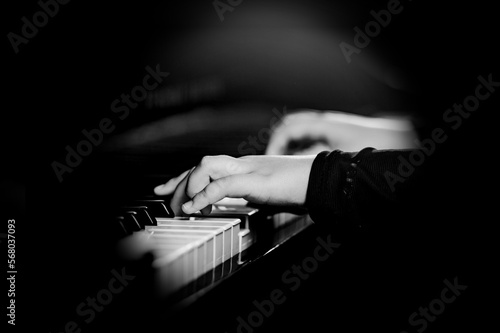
column 157, row 207
column 119, row 227
column 130, row 221
column 143, row 216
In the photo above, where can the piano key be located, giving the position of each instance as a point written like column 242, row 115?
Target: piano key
column 130, row 221
column 231, row 238
column 202, row 263
column 174, row 268
column 252, row 219
column 119, row 227
column 172, row 272
column 205, row 250
column 234, row 222
column 216, row 257
column 244, row 241
column 233, row 202
column 157, row 207
column 230, row 243
column 233, row 211
column 143, row 216
column 187, row 256
column 186, row 267
column 197, row 263
column 216, row 238
column 226, row 240
column 218, row 232
column 236, row 228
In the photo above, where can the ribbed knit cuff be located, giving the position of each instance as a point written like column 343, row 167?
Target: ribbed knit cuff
column 324, row 200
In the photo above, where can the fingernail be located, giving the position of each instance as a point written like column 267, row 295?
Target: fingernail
column 187, row 206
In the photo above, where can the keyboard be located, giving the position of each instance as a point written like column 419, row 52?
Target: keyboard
column 192, row 254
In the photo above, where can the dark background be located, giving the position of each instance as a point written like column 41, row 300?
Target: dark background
column 265, row 55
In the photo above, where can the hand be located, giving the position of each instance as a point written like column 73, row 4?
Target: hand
column 337, row 130
column 274, row 180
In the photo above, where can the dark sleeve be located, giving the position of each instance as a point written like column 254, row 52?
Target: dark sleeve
column 361, row 187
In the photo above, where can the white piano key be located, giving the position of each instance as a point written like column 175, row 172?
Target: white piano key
column 173, row 268
column 208, row 260
column 232, row 201
column 233, row 224
column 232, row 211
column 221, row 236
column 200, row 265
column 218, row 234
column 236, row 227
column 226, row 228
column 245, row 239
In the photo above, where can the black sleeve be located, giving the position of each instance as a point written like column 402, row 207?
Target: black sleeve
column 361, row 187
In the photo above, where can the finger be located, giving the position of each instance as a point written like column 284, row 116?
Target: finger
column 276, row 146
column 235, row 186
column 212, row 168
column 170, row 186
column 179, row 196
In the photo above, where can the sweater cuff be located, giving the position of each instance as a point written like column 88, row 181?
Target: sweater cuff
column 323, row 200
column 331, row 186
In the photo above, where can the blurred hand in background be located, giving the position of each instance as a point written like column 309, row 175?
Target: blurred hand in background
column 307, row 132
